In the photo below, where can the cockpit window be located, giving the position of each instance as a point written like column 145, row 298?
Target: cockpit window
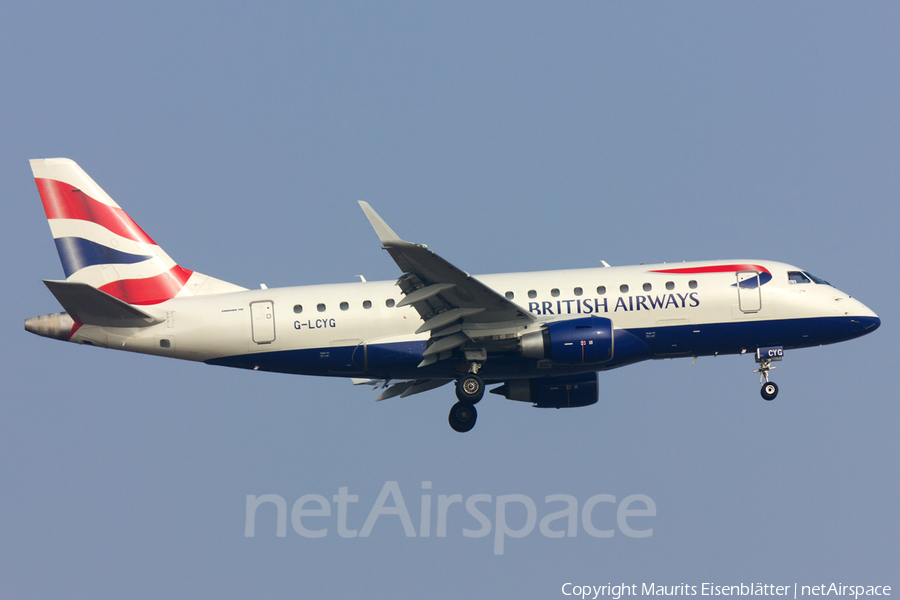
column 797, row 277
column 816, row 279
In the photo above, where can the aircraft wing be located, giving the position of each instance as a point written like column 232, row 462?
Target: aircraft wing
column 455, row 307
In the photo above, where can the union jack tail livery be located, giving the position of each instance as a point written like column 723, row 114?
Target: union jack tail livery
column 111, row 265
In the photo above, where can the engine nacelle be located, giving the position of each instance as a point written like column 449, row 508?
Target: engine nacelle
column 553, row 392
column 584, row 341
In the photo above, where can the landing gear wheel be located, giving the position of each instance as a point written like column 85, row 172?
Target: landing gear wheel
column 462, row 417
column 769, row 390
column 469, row 389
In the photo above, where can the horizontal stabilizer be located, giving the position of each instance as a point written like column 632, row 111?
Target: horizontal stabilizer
column 89, row 306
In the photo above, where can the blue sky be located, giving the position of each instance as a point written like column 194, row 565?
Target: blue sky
column 508, row 137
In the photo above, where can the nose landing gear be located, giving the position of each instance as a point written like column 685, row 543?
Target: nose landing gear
column 765, row 357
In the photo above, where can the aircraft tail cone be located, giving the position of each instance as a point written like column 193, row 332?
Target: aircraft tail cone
column 57, row 326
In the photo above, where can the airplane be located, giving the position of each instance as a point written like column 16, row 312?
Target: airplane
column 542, row 336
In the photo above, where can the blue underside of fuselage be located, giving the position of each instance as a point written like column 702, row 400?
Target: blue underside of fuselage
column 401, row 360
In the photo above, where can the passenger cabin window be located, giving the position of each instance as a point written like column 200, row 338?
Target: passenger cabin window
column 623, row 288
column 367, row 304
column 797, row 277
column 510, row 295
column 601, row 289
column 320, row 308
column 344, row 306
column 578, row 291
column 647, row 287
column 389, row 303
column 692, row 284
column 532, row 294
column 670, row 285
column 554, row 292
column 298, row 309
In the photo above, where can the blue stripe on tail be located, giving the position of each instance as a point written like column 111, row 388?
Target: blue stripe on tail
column 76, row 253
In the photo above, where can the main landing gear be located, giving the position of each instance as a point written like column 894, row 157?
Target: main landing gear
column 765, row 357
column 462, row 417
column 469, row 391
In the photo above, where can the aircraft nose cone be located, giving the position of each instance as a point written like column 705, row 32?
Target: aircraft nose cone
column 870, row 324
column 863, row 318
column 864, row 325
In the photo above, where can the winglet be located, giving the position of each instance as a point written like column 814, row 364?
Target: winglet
column 382, row 229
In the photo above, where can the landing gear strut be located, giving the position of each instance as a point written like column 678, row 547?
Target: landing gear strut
column 765, row 356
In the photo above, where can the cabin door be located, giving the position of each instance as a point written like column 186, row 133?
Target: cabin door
column 749, row 298
column 262, row 317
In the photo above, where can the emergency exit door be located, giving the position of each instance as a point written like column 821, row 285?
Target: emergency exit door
column 262, row 316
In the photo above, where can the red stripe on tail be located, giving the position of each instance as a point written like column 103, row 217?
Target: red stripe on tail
column 149, row 290
column 62, row 201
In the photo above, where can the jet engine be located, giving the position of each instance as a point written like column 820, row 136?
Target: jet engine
column 584, row 341
column 553, row 392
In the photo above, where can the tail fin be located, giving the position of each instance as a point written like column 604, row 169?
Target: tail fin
column 101, row 246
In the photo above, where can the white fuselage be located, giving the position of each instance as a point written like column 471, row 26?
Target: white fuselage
column 321, row 318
